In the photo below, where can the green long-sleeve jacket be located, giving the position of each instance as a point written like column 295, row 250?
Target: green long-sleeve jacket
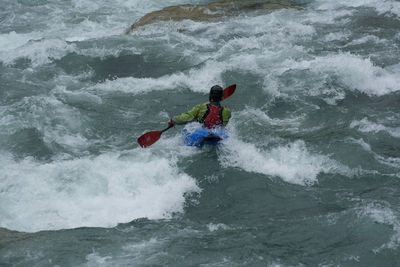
column 197, row 113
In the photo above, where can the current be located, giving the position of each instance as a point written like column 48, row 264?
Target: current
column 310, row 174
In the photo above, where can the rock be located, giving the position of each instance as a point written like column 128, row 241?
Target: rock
column 212, row 11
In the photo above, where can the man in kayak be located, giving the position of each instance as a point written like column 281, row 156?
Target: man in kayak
column 210, row 114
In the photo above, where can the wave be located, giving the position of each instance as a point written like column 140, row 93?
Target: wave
column 293, row 163
column 389, row 7
column 99, row 191
column 367, row 126
column 382, row 213
column 354, row 72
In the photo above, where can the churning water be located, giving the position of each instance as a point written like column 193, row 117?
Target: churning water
column 310, row 175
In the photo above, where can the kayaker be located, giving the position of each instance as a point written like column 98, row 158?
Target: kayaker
column 210, row 114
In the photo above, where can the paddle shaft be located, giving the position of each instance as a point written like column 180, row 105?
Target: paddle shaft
column 166, row 129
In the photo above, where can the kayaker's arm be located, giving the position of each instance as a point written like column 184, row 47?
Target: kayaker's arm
column 190, row 116
column 226, row 115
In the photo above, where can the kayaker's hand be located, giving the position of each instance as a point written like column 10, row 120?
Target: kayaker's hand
column 171, row 123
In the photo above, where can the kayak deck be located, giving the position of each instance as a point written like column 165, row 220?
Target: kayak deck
column 201, row 137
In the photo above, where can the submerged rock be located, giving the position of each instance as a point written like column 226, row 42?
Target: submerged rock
column 224, row 8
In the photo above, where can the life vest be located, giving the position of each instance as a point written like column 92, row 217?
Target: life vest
column 213, row 116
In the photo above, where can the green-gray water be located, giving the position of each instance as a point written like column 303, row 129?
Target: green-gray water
column 310, row 175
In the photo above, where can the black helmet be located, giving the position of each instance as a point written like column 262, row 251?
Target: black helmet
column 216, row 93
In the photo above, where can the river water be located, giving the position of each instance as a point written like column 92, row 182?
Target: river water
column 310, row 175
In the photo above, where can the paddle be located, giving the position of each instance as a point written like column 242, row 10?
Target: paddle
column 150, row 138
column 228, row 91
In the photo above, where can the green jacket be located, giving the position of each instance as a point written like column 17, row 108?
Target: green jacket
column 197, row 113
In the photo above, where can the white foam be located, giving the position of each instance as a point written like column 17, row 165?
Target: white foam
column 142, row 251
column 150, row 250
column 91, row 191
column 367, row 126
column 354, row 71
column 13, row 40
column 292, row 162
column 244, row 55
column 336, row 36
column 56, row 31
column 59, row 123
column 366, row 39
column 382, row 7
column 88, row 29
column 147, row 6
column 212, row 227
column 362, row 143
column 109, row 17
column 44, row 47
column 72, row 81
column 338, row 17
column 247, row 54
column 94, row 259
column 75, row 97
column 262, row 118
column 256, row 54
column 389, row 161
column 39, row 52
column 385, row 215
column 197, row 80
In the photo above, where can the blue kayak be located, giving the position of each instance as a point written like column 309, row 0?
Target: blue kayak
column 201, row 137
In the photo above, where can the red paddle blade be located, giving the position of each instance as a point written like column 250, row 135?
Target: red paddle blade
column 228, row 91
column 149, row 138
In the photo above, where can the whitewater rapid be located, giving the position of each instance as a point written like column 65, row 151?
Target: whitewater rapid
column 79, row 177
